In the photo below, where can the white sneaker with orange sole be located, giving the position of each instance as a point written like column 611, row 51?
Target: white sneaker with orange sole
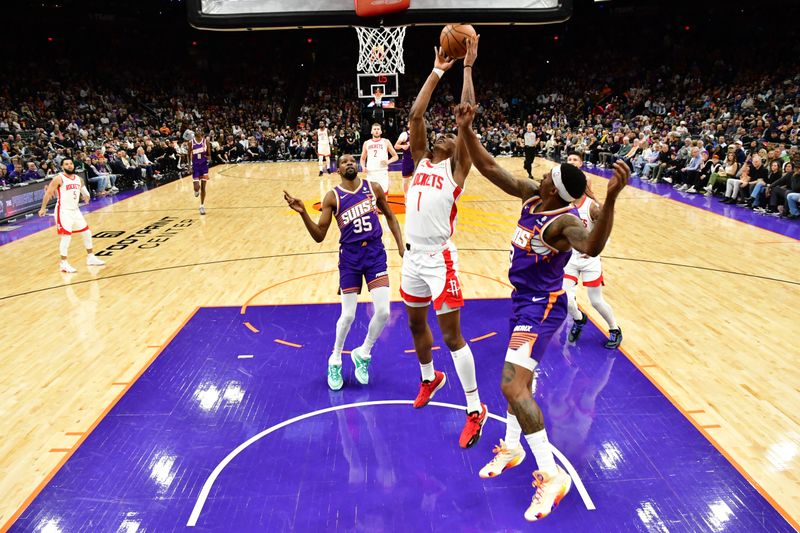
column 504, row 459
column 550, row 490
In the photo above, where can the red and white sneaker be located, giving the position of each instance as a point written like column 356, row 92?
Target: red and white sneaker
column 550, row 490
column 66, row 267
column 427, row 389
column 504, row 458
column 473, row 428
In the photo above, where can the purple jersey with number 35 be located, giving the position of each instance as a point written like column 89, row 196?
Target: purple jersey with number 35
column 357, row 214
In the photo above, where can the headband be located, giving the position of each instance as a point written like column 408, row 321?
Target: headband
column 562, row 191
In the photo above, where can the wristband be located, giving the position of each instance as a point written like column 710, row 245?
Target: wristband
column 439, row 72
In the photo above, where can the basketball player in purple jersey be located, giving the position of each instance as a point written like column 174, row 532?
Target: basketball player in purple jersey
column 407, row 170
column 200, row 158
column 355, row 203
column 549, row 228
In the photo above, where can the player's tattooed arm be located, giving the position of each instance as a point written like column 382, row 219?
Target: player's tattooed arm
column 319, row 229
column 569, row 232
column 483, row 160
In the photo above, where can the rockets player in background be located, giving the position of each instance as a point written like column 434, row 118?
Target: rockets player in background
column 589, row 270
column 375, row 158
column 69, row 219
column 355, row 203
column 430, row 265
column 323, row 148
column 549, row 228
column 404, row 143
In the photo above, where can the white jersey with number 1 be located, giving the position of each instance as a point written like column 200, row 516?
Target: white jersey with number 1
column 431, row 204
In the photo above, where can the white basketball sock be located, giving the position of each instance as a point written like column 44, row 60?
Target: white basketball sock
column 513, row 431
column 380, row 301
column 540, row 447
column 349, row 304
column 465, row 368
column 63, row 245
column 87, row 239
column 427, row 371
column 572, row 302
column 599, row 303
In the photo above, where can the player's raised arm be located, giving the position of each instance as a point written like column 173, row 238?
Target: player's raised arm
column 484, row 161
column 319, row 229
column 593, row 242
column 391, row 220
column 416, row 117
column 462, row 162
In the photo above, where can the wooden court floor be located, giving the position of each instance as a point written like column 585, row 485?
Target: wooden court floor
column 707, row 305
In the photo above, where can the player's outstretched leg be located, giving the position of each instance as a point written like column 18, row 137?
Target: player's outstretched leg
column 349, row 304
column 450, row 324
column 202, row 197
column 550, row 480
column 362, row 356
column 605, row 310
column 431, row 380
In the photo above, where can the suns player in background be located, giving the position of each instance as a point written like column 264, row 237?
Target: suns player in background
column 375, row 158
column 549, row 228
column 69, row 187
column 355, row 203
column 323, row 148
column 430, row 265
column 200, row 156
column 407, row 161
column 589, row 270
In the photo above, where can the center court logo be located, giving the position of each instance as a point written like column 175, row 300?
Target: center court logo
column 149, row 237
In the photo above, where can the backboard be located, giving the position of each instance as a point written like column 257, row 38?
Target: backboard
column 368, row 84
column 245, row 15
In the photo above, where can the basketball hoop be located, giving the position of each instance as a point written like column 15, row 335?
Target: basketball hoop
column 381, row 49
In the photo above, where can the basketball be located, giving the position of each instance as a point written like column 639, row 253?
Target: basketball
column 454, row 39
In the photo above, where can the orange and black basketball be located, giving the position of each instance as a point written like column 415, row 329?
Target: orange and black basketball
column 454, row 39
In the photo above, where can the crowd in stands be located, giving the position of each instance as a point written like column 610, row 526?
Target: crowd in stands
column 711, row 129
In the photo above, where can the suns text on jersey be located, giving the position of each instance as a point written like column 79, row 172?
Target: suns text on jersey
column 358, row 211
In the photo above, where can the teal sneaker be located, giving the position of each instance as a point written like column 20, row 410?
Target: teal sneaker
column 362, row 366
column 335, row 381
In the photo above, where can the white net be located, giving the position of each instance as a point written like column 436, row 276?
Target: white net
column 381, row 49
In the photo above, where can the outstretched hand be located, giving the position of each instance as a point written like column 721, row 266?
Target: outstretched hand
column 472, row 51
column 619, row 180
column 465, row 114
column 295, row 203
column 441, row 60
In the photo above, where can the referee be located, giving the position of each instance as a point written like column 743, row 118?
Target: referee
column 530, row 149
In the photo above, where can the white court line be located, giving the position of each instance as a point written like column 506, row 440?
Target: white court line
column 245, row 356
column 209, row 483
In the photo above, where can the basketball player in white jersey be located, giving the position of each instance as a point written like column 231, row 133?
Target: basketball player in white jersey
column 589, row 270
column 323, row 148
column 375, row 158
column 430, row 264
column 69, row 187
